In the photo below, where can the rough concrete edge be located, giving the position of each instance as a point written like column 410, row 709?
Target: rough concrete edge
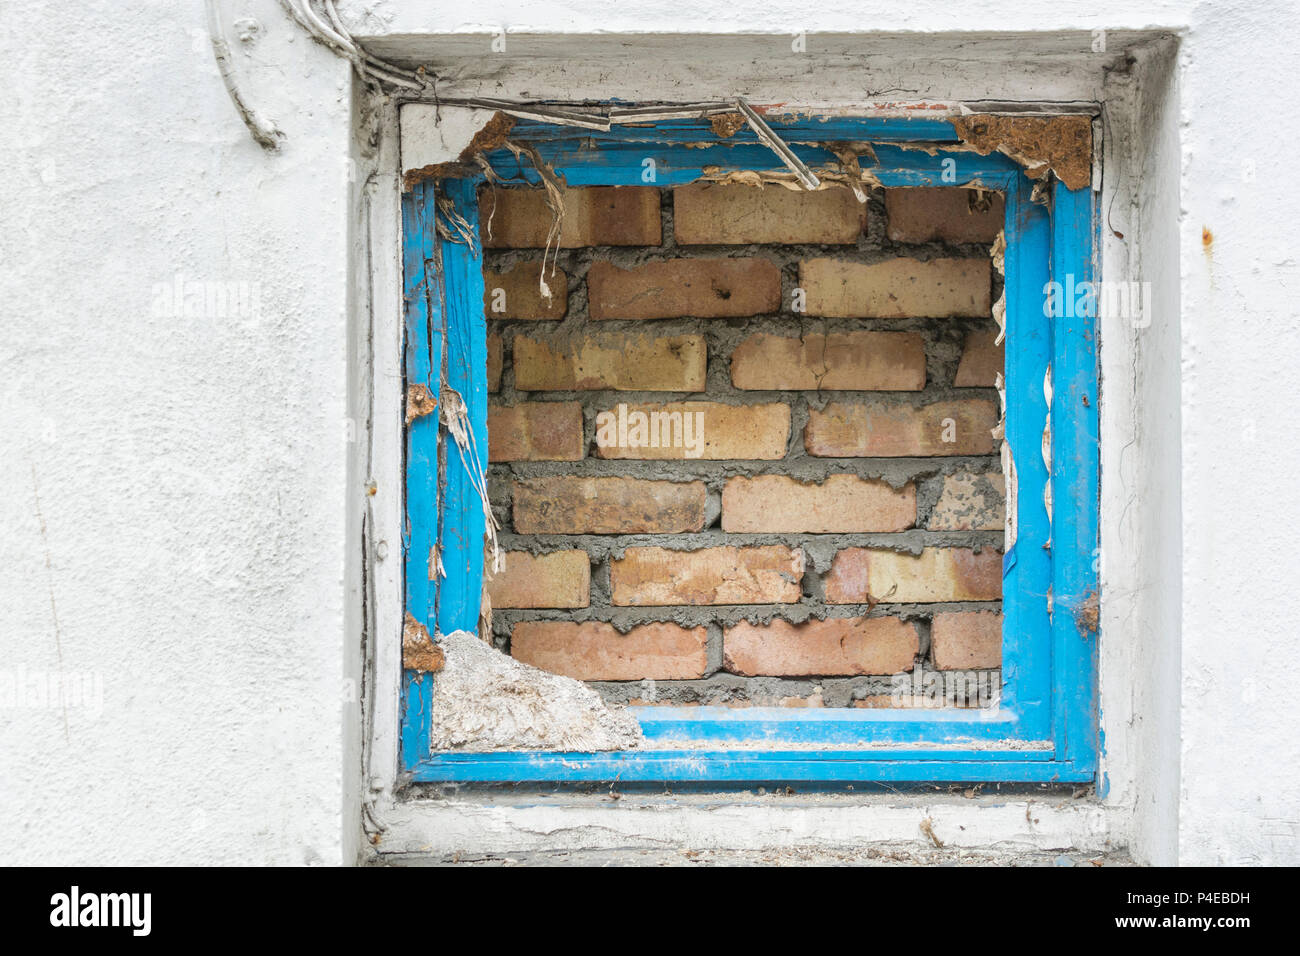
column 489, row 824
column 437, row 143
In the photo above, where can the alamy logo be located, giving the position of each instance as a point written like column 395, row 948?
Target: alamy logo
column 973, row 689
column 1123, row 300
column 677, row 429
column 102, row 909
column 201, row 299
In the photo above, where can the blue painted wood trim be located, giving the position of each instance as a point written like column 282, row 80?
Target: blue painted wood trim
column 774, row 766
column 1027, row 564
column 1050, row 672
column 626, row 164
column 947, row 726
column 423, row 333
column 1075, row 475
column 460, row 591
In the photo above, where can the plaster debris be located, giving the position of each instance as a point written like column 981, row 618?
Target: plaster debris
column 927, row 827
column 419, row 653
column 484, row 700
column 419, row 402
column 829, row 178
column 998, row 251
column 1087, row 616
column 419, row 141
column 1059, row 144
column 726, row 125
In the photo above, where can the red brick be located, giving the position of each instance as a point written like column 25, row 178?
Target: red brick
column 621, row 362
column 867, row 575
column 835, row 646
column 862, row 361
column 724, row 575
column 494, row 362
column 970, row 503
column 704, row 288
column 710, row 213
column 517, row 294
column 981, row 361
column 966, row 640
column 745, row 432
column 841, row 504
column 897, row 288
column 878, row 430
column 593, row 216
column 558, row 579
column 570, row 505
column 944, row 214
column 535, row 431
column 594, row 650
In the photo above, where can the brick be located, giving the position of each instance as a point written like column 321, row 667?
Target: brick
column 725, row 575
column 717, row 432
column 841, row 504
column 557, row 579
column 704, row 288
column 869, row 575
column 593, row 216
column 944, row 214
column 535, row 431
column 494, row 363
column 861, row 361
column 966, row 640
column 709, row 213
column 970, row 502
column 621, row 362
column 981, row 361
column 517, row 294
column 594, row 650
column 835, row 646
column 877, row 430
column 897, row 288
column 569, row 505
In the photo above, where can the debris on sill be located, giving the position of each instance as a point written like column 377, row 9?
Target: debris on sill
column 1059, row 144
column 419, row 653
column 486, row 701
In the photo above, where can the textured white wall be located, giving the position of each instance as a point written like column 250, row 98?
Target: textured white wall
column 195, row 539
column 191, row 469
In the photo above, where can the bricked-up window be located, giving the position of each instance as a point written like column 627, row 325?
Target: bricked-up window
column 747, row 455
column 743, row 454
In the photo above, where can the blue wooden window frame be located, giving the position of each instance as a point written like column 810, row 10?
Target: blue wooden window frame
column 1045, row 728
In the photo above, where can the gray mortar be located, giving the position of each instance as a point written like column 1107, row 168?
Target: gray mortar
column 943, row 344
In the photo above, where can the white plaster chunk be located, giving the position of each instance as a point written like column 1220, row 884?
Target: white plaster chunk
column 484, row 700
column 432, row 135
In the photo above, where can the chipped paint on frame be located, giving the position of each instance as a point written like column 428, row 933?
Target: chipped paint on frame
column 1045, row 726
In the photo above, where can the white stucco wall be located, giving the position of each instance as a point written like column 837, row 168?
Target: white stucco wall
column 191, row 469
column 197, row 535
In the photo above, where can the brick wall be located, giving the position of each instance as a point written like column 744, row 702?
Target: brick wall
column 742, row 453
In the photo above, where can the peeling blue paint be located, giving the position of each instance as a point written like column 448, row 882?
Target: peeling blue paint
column 1045, row 727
